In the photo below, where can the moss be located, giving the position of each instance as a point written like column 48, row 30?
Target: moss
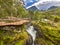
column 50, row 31
column 13, row 37
column 21, row 42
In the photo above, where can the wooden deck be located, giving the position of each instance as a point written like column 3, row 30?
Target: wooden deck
column 17, row 22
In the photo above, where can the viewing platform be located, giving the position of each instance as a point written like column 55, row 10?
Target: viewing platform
column 8, row 22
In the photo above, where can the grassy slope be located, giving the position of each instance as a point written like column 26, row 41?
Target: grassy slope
column 49, row 24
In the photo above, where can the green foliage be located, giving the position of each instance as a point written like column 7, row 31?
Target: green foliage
column 12, row 8
column 49, row 25
column 15, row 37
column 50, row 30
column 47, row 21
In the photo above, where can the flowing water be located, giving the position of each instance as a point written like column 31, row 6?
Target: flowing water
column 32, row 32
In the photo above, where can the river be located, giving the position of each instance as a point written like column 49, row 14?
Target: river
column 32, row 32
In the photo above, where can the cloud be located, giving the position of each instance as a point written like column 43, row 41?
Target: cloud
column 41, row 4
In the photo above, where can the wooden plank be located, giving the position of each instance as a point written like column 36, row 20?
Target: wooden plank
column 14, row 23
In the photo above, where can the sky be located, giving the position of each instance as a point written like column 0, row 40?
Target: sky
column 41, row 4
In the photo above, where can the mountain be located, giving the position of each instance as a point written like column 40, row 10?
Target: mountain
column 53, row 7
column 48, row 5
column 42, row 4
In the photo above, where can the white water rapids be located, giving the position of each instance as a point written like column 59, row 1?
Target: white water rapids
column 32, row 32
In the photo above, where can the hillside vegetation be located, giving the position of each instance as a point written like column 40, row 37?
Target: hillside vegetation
column 48, row 22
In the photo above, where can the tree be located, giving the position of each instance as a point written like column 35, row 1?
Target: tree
column 12, row 8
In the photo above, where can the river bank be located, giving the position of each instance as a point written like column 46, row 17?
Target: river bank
column 46, row 34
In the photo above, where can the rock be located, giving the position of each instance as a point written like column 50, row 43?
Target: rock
column 29, row 41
